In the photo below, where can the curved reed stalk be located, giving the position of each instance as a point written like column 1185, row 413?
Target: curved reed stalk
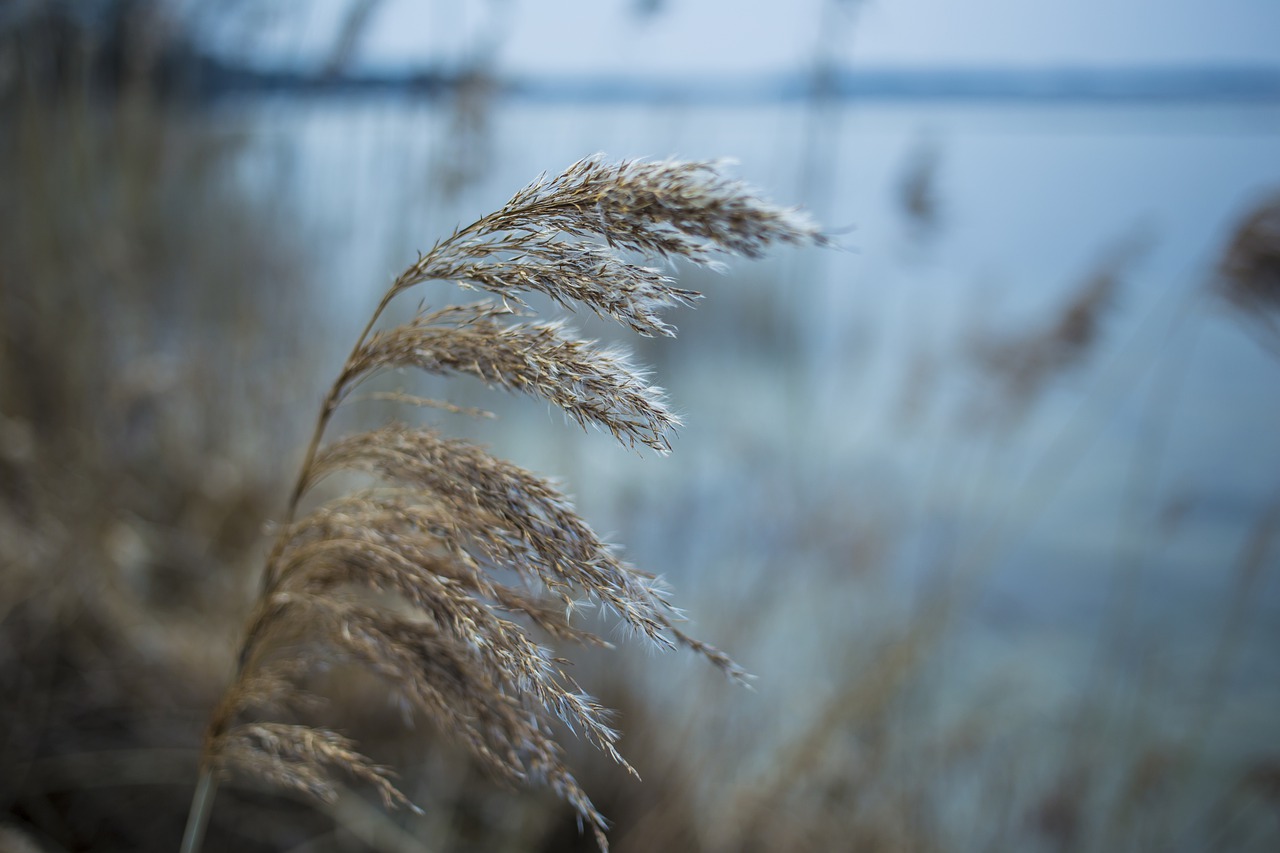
column 446, row 520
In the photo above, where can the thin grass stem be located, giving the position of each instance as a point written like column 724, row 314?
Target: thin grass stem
column 201, row 808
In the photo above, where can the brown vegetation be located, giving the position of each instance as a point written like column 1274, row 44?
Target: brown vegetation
column 421, row 578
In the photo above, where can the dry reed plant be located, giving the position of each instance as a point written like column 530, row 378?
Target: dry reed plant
column 1249, row 270
column 1024, row 364
column 443, row 576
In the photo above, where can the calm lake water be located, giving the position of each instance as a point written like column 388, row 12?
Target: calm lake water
column 840, row 434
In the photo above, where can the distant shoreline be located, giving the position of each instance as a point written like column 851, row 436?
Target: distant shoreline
column 216, row 80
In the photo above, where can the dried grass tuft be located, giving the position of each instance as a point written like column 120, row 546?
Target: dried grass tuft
column 454, row 573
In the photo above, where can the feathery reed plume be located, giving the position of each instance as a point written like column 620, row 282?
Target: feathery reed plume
column 917, row 193
column 1249, row 270
column 441, row 575
column 1023, row 365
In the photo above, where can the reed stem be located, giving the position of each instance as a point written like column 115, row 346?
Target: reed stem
column 201, row 807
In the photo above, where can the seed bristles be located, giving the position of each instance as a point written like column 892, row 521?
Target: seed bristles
column 438, row 577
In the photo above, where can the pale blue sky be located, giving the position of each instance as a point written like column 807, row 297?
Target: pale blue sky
column 730, row 36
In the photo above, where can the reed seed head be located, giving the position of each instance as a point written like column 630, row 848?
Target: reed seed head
column 455, row 572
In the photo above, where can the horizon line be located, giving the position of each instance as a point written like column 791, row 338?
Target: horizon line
column 1219, row 81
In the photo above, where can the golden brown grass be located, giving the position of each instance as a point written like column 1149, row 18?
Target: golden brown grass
column 453, row 571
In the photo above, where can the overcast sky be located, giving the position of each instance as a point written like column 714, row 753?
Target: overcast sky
column 732, row 36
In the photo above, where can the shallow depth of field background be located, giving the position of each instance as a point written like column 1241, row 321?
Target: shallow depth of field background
column 986, row 498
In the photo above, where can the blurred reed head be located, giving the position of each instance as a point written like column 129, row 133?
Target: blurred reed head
column 1248, row 275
